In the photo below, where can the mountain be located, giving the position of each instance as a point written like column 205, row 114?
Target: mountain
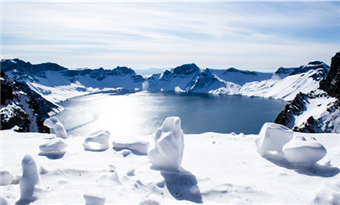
column 57, row 83
column 23, row 107
column 319, row 109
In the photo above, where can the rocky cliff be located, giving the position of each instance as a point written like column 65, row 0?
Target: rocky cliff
column 318, row 110
column 331, row 84
column 22, row 107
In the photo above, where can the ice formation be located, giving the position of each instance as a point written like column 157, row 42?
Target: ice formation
column 273, row 137
column 167, row 150
column 304, row 152
column 139, row 147
column 55, row 124
column 29, row 180
column 6, row 178
column 53, row 146
column 97, row 141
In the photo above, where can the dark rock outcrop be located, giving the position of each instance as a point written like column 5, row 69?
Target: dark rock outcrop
column 186, row 69
column 331, row 84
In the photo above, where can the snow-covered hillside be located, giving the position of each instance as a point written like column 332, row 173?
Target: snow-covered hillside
column 57, row 83
column 319, row 109
column 22, row 107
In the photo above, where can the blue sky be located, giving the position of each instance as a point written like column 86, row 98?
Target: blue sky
column 249, row 35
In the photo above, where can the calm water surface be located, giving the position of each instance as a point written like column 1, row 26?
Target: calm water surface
column 141, row 113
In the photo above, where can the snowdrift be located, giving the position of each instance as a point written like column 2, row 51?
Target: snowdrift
column 212, row 168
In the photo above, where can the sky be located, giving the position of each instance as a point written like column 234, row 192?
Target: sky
column 249, row 35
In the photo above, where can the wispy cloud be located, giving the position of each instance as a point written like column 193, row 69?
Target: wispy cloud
column 248, row 35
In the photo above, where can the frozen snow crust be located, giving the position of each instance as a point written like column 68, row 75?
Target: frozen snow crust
column 213, row 168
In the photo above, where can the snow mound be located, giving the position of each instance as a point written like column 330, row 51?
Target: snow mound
column 273, row 137
column 94, row 199
column 97, row 141
column 167, row 150
column 29, row 180
column 6, row 178
column 137, row 147
column 55, row 124
column 328, row 193
column 304, row 152
column 53, row 146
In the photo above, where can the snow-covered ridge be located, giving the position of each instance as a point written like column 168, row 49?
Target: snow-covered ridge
column 57, row 83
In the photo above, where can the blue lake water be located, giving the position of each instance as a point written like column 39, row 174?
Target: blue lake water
column 141, row 113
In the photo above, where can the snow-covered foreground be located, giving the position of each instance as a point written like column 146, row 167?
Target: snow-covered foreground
column 215, row 168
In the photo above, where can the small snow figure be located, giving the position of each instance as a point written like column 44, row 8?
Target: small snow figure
column 55, row 124
column 29, row 180
column 53, row 146
column 304, row 152
column 273, row 137
column 167, row 150
column 97, row 141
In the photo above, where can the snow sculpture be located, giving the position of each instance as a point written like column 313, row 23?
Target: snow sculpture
column 304, row 152
column 6, row 178
column 167, row 150
column 53, row 146
column 29, row 180
column 273, row 137
column 55, row 124
column 97, row 141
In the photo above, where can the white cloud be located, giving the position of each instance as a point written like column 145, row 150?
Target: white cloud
column 145, row 35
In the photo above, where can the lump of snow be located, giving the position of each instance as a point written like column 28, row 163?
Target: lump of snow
column 137, row 147
column 304, row 152
column 6, row 178
column 130, row 172
column 126, row 153
column 55, row 124
column 29, row 180
column 53, row 146
column 273, row 137
column 94, row 199
column 167, row 149
column 97, row 141
column 3, row 201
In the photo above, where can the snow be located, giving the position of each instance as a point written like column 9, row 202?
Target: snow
column 53, row 146
column 97, row 141
column 215, row 169
column 304, row 152
column 137, row 147
column 167, row 149
column 29, row 181
column 273, row 137
column 6, row 178
column 57, row 126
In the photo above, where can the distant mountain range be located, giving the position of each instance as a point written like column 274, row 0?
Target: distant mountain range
column 284, row 84
column 56, row 83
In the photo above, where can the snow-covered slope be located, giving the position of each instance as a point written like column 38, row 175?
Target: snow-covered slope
column 215, row 169
column 57, row 83
column 317, row 110
column 23, row 107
